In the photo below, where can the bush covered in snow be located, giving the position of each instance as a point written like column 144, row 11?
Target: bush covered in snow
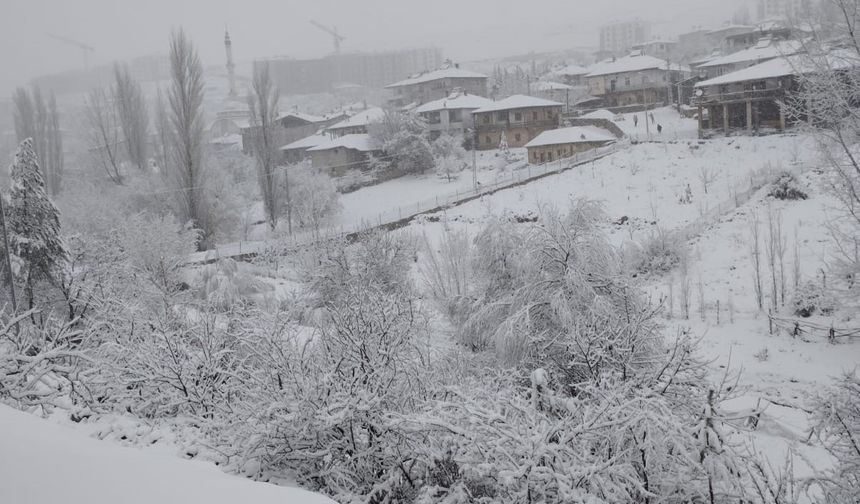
column 786, row 187
column 660, row 253
column 812, row 297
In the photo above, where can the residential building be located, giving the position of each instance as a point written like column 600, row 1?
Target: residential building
column 765, row 49
column 658, row 48
column 435, row 85
column 356, row 124
column 783, row 9
column 343, row 154
column 750, row 99
column 726, row 38
column 566, row 142
column 452, row 114
column 635, row 80
column 620, row 37
column 290, row 127
column 573, row 75
column 297, row 151
column 519, row 118
column 693, row 45
column 555, row 91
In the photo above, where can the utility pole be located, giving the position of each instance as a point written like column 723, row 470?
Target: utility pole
column 8, row 257
column 475, row 159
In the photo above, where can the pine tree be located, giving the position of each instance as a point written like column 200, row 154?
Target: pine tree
column 33, row 225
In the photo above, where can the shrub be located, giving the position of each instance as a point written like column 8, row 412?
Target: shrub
column 811, row 297
column 786, row 187
column 660, row 253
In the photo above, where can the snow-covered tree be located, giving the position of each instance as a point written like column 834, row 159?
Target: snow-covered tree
column 315, row 196
column 133, row 115
column 404, row 146
column 39, row 120
column 33, row 224
column 263, row 105
column 103, row 133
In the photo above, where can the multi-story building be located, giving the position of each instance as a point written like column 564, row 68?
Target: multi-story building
column 619, row 38
column 519, row 118
column 452, row 114
column 635, row 80
column 297, row 76
column 435, row 85
column 783, row 9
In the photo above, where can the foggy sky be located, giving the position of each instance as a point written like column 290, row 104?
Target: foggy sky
column 464, row 29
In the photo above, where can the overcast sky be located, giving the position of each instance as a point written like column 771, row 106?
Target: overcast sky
column 464, row 29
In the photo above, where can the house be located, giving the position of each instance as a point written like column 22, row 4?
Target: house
column 635, row 80
column 726, row 38
column 356, row 124
column 519, row 118
column 452, row 114
column 765, row 49
column 565, row 142
column 289, row 128
column 435, row 85
column 751, row 99
column 555, row 91
column 659, row 48
column 297, row 151
column 344, row 153
column 573, row 75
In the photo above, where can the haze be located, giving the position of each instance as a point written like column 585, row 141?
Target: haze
column 464, row 30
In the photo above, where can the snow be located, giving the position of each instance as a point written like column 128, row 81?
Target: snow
column 573, row 70
column 462, row 101
column 757, row 53
column 362, row 118
column 303, row 116
column 517, row 102
column 633, row 63
column 779, row 67
column 599, row 114
column 445, row 73
column 304, row 143
column 573, row 134
column 359, row 141
column 550, row 86
column 42, row 462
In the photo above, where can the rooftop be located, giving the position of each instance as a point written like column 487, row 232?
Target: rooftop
column 517, row 102
column 362, row 118
column 549, row 86
column 633, row 63
column 781, row 67
column 573, row 134
column 360, row 142
column 764, row 50
column 461, row 101
column 445, row 73
column 307, row 142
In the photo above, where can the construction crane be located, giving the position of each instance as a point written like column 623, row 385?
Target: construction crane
column 331, row 31
column 86, row 49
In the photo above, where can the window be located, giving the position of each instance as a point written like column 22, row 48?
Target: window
column 487, row 119
column 534, row 116
column 518, row 116
column 517, row 137
column 488, row 140
column 627, row 81
column 501, row 116
column 455, row 115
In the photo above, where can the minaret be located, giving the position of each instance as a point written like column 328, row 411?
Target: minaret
column 228, row 46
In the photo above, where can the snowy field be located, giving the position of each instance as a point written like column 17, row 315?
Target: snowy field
column 42, row 462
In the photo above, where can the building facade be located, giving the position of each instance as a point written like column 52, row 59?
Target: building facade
column 451, row 115
column 435, row 85
column 619, row 38
column 635, row 80
column 519, row 118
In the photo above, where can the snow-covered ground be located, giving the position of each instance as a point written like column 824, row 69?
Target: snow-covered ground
column 42, row 462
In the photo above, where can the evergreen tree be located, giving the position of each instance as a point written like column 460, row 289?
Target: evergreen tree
column 33, row 224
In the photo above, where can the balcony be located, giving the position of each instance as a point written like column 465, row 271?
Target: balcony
column 719, row 98
column 504, row 125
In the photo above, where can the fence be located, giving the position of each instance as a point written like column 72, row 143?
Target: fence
column 797, row 328
column 519, row 173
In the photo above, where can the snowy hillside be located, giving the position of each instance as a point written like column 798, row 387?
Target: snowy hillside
column 41, row 462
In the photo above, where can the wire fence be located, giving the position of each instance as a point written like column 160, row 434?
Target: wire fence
column 518, row 173
column 799, row 328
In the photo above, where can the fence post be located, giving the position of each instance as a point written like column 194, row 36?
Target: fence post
column 770, row 321
column 718, row 312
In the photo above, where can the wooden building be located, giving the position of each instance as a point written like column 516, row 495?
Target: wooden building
column 452, row 114
column 561, row 143
column 435, row 85
column 343, row 154
column 635, row 80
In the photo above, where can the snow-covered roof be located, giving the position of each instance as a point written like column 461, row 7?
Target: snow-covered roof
column 445, row 73
column 633, row 63
column 517, row 102
column 731, row 27
column 599, row 114
column 307, row 142
column 360, row 142
column 362, row 118
column 780, row 67
column 550, row 86
column 759, row 52
column 573, row 70
column 239, row 122
column 304, row 117
column 573, row 134
column 463, row 101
